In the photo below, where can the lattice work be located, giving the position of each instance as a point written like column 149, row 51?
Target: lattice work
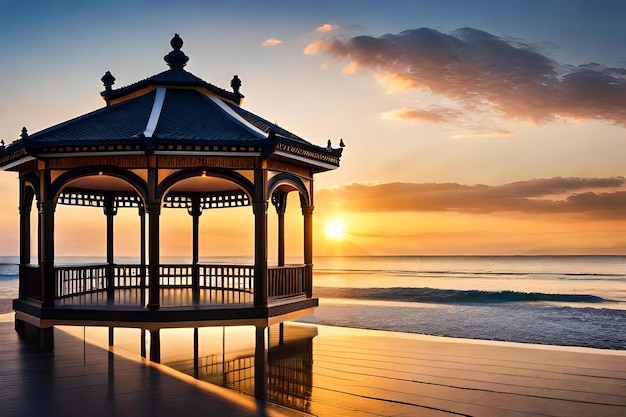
column 230, row 200
column 208, row 200
column 75, row 197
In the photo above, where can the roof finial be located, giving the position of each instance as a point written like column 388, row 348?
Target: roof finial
column 108, row 80
column 235, row 83
column 177, row 58
column 24, row 134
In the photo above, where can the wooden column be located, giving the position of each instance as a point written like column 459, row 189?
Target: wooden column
column 259, row 207
column 195, row 211
column 142, row 254
column 154, row 267
column 307, row 212
column 154, row 211
column 110, row 210
column 24, row 209
column 46, row 240
column 280, row 202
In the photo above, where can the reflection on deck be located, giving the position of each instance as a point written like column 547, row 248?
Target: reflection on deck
column 285, row 369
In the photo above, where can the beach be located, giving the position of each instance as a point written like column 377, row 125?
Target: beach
column 354, row 373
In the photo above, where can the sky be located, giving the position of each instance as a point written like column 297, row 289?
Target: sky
column 471, row 127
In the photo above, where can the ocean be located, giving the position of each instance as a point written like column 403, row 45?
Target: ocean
column 554, row 300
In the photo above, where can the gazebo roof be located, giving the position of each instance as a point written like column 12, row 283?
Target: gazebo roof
column 173, row 111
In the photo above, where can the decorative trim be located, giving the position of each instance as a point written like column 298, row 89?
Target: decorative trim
column 306, row 154
column 155, row 114
column 18, row 157
column 184, row 161
column 121, row 161
column 308, row 160
column 255, row 130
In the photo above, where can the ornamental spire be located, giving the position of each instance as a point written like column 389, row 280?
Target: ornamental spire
column 177, row 58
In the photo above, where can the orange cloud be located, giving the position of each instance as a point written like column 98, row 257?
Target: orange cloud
column 326, row 27
column 272, row 42
column 594, row 197
column 434, row 114
column 477, row 69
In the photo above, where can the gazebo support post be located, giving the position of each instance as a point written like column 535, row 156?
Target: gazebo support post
column 110, row 211
column 25, row 209
column 307, row 212
column 46, row 241
column 154, row 291
column 259, row 207
column 142, row 254
column 280, row 203
column 195, row 213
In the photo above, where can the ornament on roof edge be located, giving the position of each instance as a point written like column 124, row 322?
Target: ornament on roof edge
column 177, row 58
column 108, row 80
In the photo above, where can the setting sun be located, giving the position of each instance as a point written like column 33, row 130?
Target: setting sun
column 335, row 229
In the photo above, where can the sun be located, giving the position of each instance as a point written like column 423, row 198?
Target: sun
column 335, row 229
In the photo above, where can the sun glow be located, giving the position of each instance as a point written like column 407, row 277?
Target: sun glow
column 335, row 229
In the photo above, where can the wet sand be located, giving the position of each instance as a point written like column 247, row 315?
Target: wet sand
column 363, row 373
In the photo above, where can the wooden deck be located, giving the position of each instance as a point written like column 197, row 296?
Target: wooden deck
column 83, row 380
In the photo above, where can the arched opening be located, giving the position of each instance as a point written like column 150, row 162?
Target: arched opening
column 99, row 240
column 207, row 236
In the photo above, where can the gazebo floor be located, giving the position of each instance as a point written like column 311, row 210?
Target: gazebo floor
column 127, row 308
column 170, row 297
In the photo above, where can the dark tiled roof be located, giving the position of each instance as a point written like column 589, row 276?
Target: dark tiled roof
column 190, row 116
column 187, row 116
column 120, row 121
column 263, row 124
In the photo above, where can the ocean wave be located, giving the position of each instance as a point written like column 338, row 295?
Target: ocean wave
column 561, row 275
column 434, row 295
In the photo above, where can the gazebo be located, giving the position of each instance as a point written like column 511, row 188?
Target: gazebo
column 170, row 141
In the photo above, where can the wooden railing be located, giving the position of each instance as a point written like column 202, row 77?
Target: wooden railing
column 129, row 276
column 283, row 281
column 79, row 280
column 287, row 281
column 227, row 277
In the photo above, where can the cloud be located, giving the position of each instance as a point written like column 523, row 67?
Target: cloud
column 326, row 27
column 480, row 71
column 597, row 197
column 272, row 42
column 435, row 114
